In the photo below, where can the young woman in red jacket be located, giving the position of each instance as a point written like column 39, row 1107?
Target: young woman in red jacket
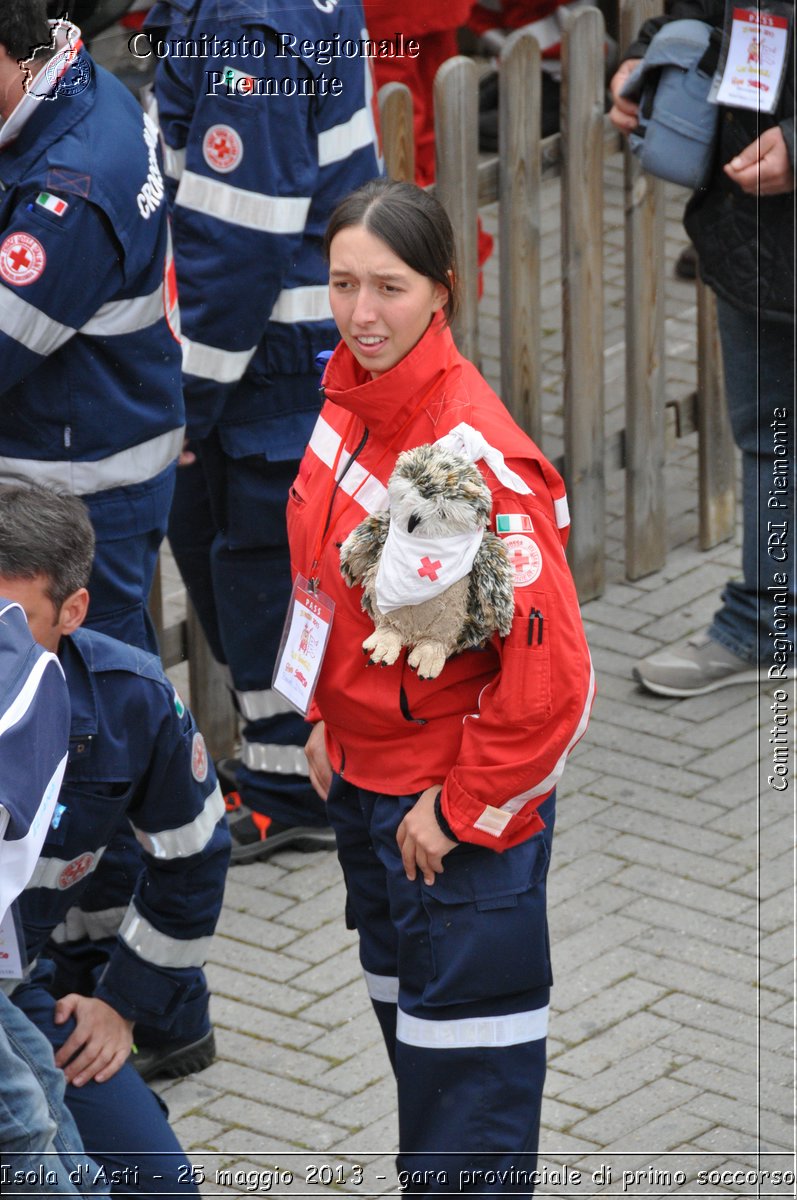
column 441, row 791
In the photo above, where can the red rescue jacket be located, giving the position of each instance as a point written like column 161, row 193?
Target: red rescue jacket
column 496, row 726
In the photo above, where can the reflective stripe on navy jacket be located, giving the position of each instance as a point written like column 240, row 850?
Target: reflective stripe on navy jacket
column 255, row 179
column 134, row 752
column 90, row 374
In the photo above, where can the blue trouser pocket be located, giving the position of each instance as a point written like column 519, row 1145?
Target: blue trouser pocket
column 487, row 924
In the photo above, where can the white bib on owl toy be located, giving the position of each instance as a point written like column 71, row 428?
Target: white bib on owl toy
column 413, row 568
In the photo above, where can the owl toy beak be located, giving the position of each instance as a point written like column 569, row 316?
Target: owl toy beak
column 413, row 521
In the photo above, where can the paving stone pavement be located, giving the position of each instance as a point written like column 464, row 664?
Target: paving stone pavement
column 671, row 1052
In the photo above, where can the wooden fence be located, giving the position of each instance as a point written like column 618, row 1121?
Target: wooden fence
column 514, row 178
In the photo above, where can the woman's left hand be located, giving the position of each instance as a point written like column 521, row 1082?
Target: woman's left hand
column 422, row 843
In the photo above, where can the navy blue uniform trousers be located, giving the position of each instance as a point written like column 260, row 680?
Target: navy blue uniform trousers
column 123, row 1124
column 459, row 975
column 228, row 534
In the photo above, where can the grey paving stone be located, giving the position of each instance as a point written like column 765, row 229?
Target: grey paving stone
column 253, row 1049
column 660, row 827
column 622, row 1079
column 679, row 862
column 645, row 746
column 601, row 1051
column 691, row 894
column 254, row 959
column 617, row 1003
column 276, row 1026
column 252, row 989
column 615, row 1122
column 267, row 1120
column 324, row 943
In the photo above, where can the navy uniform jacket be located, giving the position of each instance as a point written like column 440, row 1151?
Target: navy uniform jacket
column 90, row 393
column 134, row 753
column 34, row 724
column 255, row 178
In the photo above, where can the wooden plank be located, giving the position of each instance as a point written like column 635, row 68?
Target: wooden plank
column 551, row 162
column 645, row 529
column 398, row 142
column 716, row 450
column 210, row 697
column 456, row 152
column 582, row 293
column 519, row 230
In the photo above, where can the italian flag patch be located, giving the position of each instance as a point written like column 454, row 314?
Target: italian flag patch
column 53, row 204
column 513, row 523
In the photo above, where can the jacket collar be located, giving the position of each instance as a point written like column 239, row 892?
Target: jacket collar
column 40, row 120
column 74, row 654
column 385, row 403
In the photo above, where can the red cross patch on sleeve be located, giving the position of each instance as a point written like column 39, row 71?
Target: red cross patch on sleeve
column 22, row 259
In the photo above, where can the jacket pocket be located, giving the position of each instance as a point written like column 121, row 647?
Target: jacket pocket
column 488, row 929
column 526, row 689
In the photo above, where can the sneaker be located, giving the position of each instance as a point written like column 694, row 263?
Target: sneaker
column 172, row 1062
column 255, row 837
column 693, row 667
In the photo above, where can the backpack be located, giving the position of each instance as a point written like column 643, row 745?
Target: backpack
column 677, row 129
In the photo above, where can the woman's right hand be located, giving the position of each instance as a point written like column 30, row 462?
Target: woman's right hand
column 318, row 761
column 624, row 113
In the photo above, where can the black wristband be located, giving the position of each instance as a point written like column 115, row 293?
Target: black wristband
column 441, row 821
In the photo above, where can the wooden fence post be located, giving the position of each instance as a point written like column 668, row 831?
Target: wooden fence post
column 456, row 114
column 519, row 230
column 645, row 514
column 395, row 122
column 715, row 446
column 582, row 293
column 210, row 697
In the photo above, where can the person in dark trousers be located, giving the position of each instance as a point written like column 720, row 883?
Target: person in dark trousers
column 253, row 179
column 742, row 224
column 135, row 754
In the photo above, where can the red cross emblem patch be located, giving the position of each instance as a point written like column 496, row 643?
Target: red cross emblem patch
column 222, row 148
column 75, row 870
column 199, row 758
column 22, row 259
column 429, row 569
column 524, row 557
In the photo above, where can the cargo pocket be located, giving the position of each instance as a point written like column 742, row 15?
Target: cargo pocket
column 488, row 928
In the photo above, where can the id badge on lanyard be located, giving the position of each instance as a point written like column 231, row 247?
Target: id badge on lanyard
column 303, row 645
column 754, row 55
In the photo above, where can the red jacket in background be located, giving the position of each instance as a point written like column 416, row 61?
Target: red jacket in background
column 496, row 726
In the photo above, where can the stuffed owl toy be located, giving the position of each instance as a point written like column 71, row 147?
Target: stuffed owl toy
column 433, row 578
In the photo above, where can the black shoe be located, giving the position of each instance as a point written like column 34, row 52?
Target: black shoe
column 227, row 772
column 686, row 263
column 256, row 837
column 172, row 1062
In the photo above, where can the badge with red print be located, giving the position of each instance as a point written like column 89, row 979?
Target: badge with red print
column 199, row 758
column 74, row 871
column 524, row 557
column 222, row 148
column 22, row 259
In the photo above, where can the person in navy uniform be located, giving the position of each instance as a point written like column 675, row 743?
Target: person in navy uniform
column 136, row 755
column 253, row 179
column 90, row 390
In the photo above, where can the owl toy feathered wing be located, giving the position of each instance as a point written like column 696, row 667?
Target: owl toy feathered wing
column 434, row 579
